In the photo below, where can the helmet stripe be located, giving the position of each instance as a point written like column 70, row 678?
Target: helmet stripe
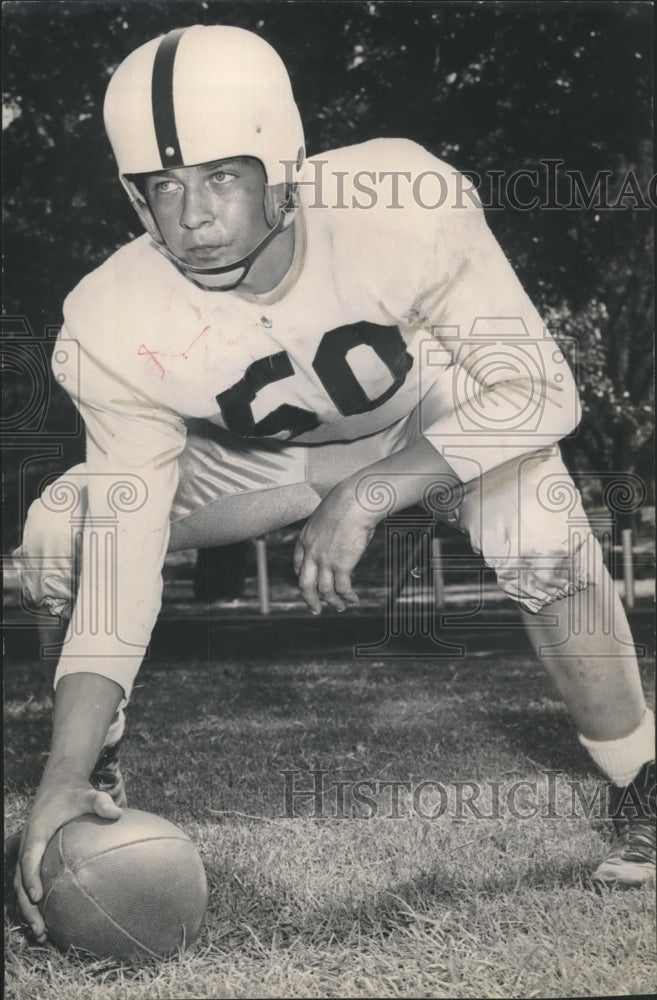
column 164, row 119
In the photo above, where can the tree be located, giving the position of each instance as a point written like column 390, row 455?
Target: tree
column 488, row 87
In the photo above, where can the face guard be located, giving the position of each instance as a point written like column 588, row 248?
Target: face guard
column 198, row 95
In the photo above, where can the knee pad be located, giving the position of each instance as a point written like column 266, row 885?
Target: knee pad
column 45, row 561
column 527, row 520
column 536, row 580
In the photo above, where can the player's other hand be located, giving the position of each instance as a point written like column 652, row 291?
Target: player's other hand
column 56, row 803
column 330, row 547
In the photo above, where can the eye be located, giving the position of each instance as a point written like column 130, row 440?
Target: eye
column 166, row 187
column 221, row 177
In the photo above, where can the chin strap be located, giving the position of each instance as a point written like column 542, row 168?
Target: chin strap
column 203, row 276
column 209, row 278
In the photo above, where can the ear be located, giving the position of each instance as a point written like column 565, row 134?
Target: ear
column 278, row 197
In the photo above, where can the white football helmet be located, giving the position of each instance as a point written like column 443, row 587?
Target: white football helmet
column 200, row 94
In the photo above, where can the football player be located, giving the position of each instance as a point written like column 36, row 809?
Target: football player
column 330, row 340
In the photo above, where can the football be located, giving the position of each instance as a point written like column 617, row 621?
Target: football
column 132, row 889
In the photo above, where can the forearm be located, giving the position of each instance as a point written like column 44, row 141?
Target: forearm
column 85, row 705
column 335, row 537
column 408, row 471
column 131, row 475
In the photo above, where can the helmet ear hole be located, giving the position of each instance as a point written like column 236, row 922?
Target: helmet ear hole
column 134, row 187
column 278, row 198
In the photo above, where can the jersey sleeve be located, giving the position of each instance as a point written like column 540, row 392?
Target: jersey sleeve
column 507, row 389
column 132, row 446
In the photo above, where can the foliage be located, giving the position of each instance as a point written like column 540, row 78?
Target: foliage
column 492, row 86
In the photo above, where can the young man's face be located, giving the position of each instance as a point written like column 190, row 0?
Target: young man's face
column 212, row 214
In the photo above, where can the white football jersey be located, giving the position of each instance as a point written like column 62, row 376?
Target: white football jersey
column 397, row 292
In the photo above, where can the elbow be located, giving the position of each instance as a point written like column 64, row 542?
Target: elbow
column 572, row 404
column 577, row 413
column 563, row 410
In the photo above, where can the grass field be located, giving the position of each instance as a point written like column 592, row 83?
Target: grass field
column 357, row 902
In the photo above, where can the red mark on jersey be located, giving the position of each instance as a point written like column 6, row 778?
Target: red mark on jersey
column 181, row 354
column 144, row 350
column 186, row 352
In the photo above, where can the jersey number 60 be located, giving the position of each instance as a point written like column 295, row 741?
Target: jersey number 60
column 332, row 368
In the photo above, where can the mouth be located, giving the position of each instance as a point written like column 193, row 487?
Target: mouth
column 205, row 254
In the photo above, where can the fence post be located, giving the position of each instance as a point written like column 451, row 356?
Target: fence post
column 437, row 571
column 263, row 576
column 628, row 567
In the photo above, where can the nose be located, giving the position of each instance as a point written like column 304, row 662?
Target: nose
column 197, row 208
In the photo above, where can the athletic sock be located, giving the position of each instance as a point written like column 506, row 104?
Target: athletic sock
column 621, row 760
column 115, row 731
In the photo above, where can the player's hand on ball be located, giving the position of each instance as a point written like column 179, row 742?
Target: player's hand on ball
column 56, row 803
column 329, row 548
